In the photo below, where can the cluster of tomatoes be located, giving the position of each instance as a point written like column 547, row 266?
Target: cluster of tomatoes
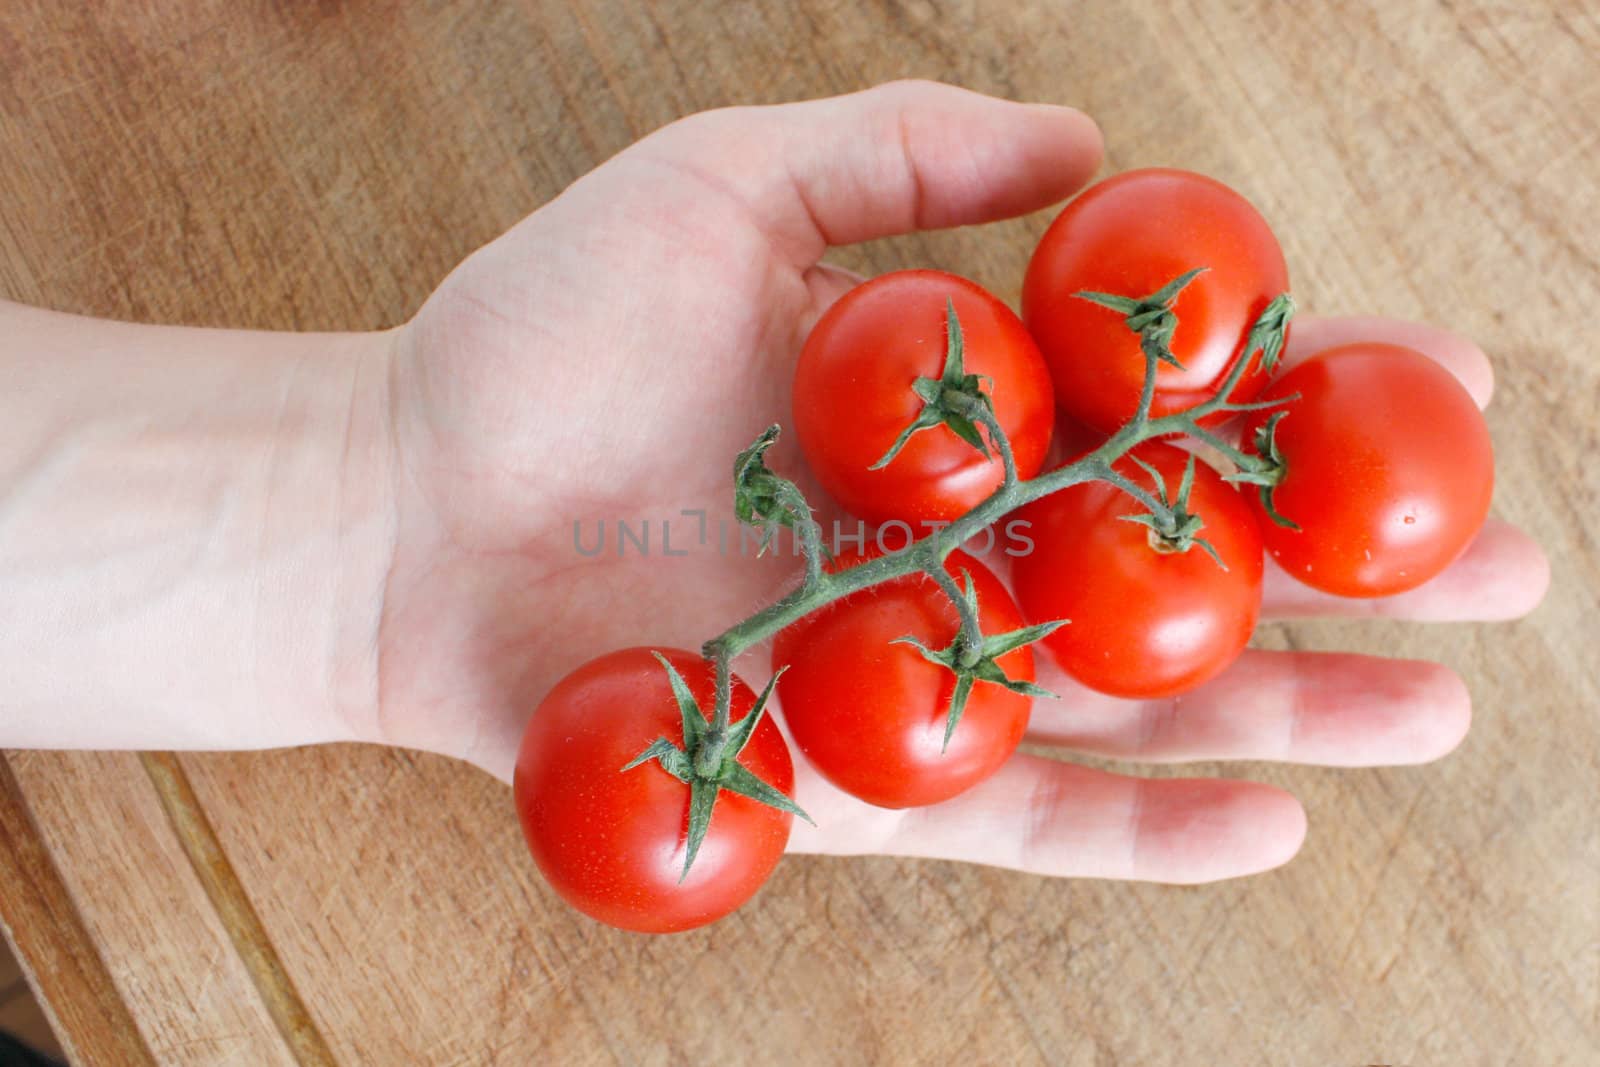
column 1363, row 470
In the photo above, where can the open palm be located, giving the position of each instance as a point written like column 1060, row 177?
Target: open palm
column 605, row 360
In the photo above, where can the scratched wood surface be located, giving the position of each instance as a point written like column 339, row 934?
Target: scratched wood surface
column 299, row 166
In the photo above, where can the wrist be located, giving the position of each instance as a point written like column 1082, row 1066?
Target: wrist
column 363, row 525
column 198, row 524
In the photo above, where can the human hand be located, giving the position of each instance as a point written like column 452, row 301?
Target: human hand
column 607, row 357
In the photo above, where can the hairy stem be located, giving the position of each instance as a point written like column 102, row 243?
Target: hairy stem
column 971, row 633
column 984, row 413
column 1162, row 512
column 724, row 696
column 811, row 546
column 1243, row 460
column 928, row 554
column 931, row 550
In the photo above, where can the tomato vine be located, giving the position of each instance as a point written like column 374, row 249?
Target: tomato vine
column 957, row 401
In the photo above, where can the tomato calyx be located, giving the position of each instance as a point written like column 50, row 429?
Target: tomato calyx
column 1151, row 317
column 971, row 655
column 954, row 399
column 767, row 501
column 708, row 762
column 1268, row 333
column 1268, row 469
column 1173, row 527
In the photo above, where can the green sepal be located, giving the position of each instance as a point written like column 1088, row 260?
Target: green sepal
column 926, row 419
column 739, row 779
column 1155, row 479
column 1000, row 644
column 967, row 430
column 1186, row 483
column 1181, row 532
column 1210, row 550
column 985, row 669
column 1269, row 331
column 948, row 400
column 702, row 799
column 1271, row 471
column 763, row 499
column 739, row 733
column 1151, row 317
column 958, row 705
column 729, row 773
column 694, row 723
column 669, row 755
column 923, row 650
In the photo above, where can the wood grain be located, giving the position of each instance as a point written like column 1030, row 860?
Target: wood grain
column 323, row 165
column 248, row 939
column 41, row 924
column 145, row 933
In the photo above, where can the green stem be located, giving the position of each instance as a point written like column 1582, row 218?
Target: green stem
column 1147, row 500
column 928, row 555
column 931, row 550
column 811, row 547
column 1147, row 394
column 1243, row 460
column 971, row 633
column 724, row 696
column 984, row 413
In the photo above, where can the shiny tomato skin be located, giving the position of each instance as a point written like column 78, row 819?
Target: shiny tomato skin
column 870, row 715
column 1130, row 235
column 1143, row 623
column 611, row 842
column 852, row 396
column 1389, row 470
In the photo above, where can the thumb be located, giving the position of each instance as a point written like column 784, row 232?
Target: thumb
column 897, row 158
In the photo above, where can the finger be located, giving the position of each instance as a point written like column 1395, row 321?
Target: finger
column 1312, row 334
column 1047, row 817
column 897, row 158
column 1502, row 575
column 1338, row 710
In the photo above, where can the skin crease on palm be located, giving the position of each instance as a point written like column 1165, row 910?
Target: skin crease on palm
column 607, row 358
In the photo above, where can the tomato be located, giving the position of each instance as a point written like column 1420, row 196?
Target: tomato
column 1388, row 470
column 611, row 842
column 870, row 715
column 1130, row 235
column 853, row 397
column 1143, row 622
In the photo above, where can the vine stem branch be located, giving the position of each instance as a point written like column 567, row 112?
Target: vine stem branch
column 971, row 636
column 984, row 413
column 811, row 546
column 1161, row 511
column 928, row 554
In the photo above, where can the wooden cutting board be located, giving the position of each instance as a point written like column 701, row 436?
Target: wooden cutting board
column 321, row 166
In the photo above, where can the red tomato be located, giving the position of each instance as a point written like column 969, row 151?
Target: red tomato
column 1130, row 235
column 1144, row 623
column 1388, row 470
column 611, row 842
column 852, row 396
column 870, row 715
